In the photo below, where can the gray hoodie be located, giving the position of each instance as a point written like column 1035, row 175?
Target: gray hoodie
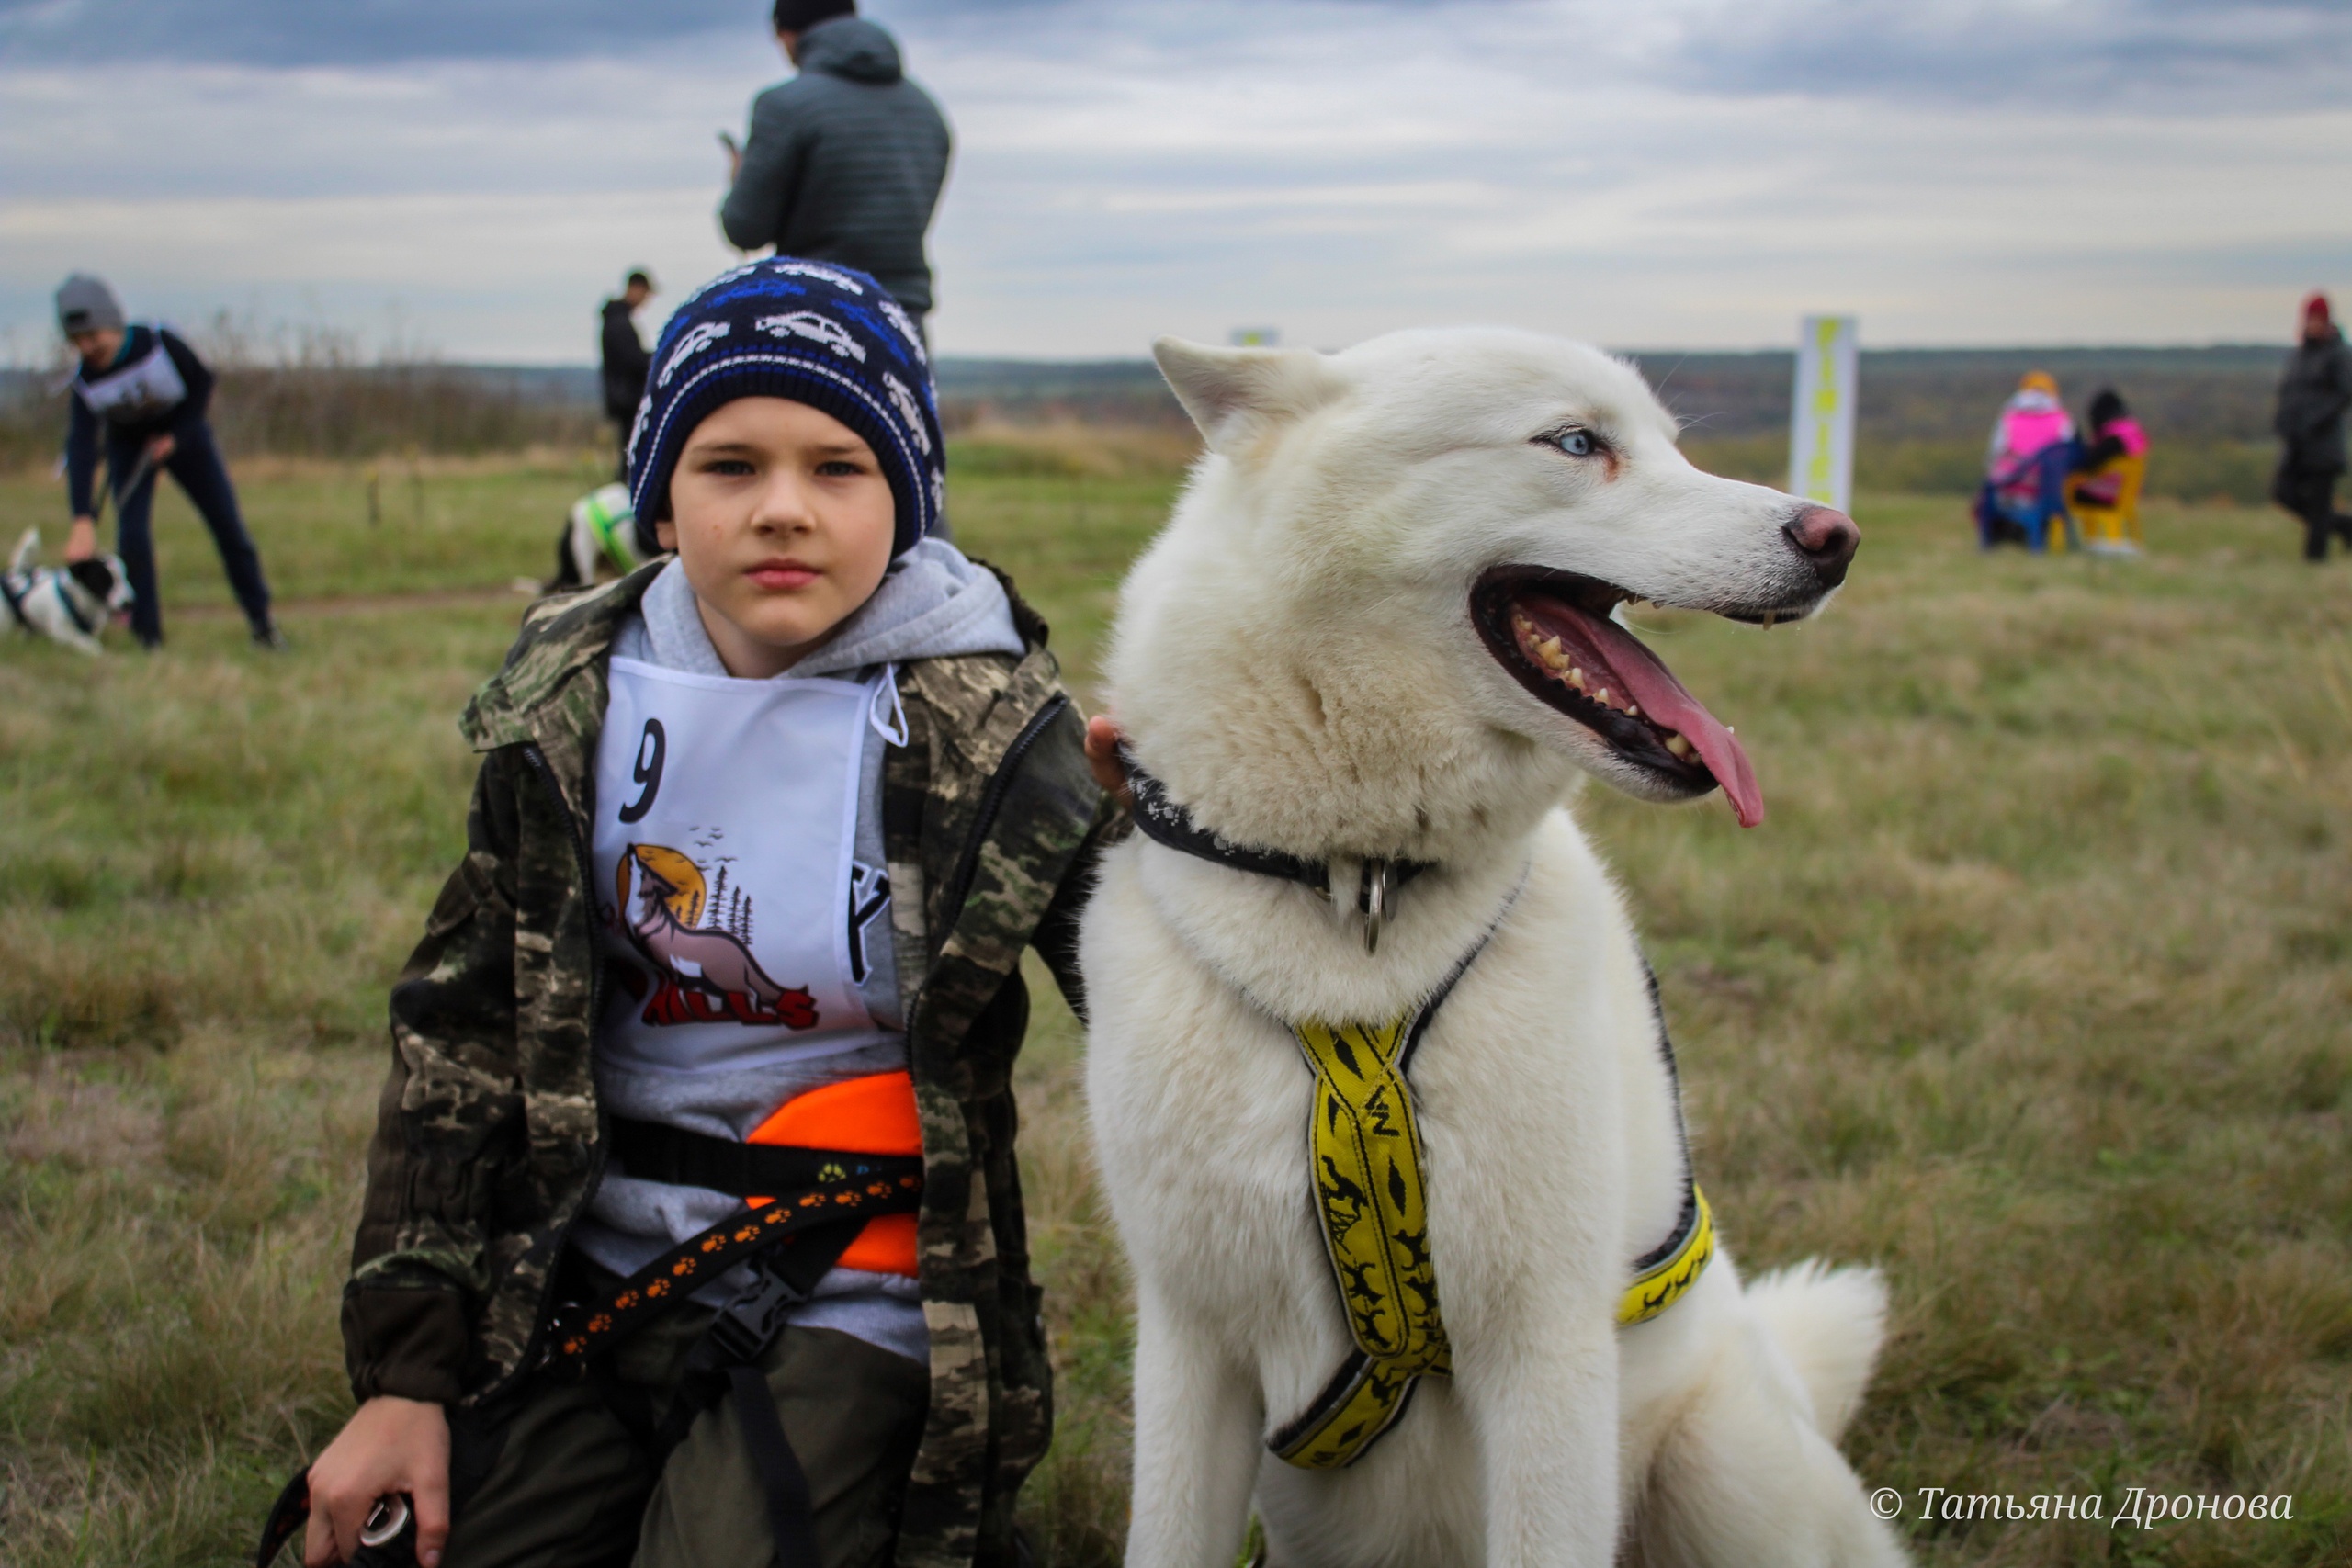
column 844, row 163
column 933, row 603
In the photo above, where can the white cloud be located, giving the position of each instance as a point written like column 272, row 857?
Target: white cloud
column 1683, row 172
column 475, row 278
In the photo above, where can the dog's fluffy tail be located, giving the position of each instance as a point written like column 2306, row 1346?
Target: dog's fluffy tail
column 27, row 551
column 1829, row 1323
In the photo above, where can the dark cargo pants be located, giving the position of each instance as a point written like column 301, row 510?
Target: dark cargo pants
column 572, row 1486
column 2309, row 494
column 196, row 463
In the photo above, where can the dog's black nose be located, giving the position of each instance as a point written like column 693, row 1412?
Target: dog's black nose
column 1827, row 538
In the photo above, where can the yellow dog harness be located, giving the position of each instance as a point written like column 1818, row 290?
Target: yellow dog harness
column 1372, row 1200
column 1365, row 1151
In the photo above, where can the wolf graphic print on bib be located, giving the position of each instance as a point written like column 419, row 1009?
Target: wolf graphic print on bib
column 735, row 916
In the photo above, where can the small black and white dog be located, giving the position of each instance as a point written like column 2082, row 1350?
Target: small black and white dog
column 70, row 604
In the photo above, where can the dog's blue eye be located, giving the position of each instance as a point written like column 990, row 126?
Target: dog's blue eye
column 1575, row 443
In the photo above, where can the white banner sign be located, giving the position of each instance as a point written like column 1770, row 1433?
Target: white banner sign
column 1821, row 432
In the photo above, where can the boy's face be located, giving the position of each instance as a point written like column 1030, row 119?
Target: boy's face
column 97, row 345
column 782, row 522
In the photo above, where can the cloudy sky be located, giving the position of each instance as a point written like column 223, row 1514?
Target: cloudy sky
column 469, row 176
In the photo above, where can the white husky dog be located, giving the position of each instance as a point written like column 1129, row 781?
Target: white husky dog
column 1372, row 650
column 67, row 604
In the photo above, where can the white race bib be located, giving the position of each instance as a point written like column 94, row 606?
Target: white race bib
column 146, row 389
column 735, row 916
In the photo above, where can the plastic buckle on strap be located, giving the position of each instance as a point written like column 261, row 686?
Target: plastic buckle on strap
column 747, row 1326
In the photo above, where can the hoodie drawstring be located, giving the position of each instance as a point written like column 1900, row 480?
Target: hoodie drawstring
column 889, row 723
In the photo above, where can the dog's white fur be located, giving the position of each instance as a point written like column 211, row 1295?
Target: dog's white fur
column 1296, row 661
column 42, row 593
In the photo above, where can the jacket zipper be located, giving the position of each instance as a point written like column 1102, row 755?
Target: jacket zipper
column 992, row 800
column 530, row 1358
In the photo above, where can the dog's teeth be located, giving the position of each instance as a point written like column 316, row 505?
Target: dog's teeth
column 1631, row 711
column 1602, row 697
column 1575, row 677
column 1680, row 747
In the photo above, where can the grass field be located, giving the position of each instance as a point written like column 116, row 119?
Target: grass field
column 2032, row 990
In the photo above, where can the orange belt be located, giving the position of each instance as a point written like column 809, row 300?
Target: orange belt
column 873, row 1115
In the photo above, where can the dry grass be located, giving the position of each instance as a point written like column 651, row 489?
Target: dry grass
column 435, row 524
column 1071, row 451
column 2031, row 990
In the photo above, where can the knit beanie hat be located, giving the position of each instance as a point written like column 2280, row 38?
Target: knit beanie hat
column 812, row 332
column 2107, row 407
column 84, row 304
column 2315, row 310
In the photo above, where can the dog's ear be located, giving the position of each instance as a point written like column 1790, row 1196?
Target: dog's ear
column 1236, row 395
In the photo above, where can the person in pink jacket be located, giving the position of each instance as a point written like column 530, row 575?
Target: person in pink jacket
column 2025, row 469
column 2109, row 467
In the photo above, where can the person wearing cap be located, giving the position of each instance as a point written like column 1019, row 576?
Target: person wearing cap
column 2313, row 396
column 139, row 395
column 624, row 359
column 760, row 835
column 844, row 162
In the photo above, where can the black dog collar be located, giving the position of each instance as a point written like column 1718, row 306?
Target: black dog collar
column 87, row 628
column 1164, row 821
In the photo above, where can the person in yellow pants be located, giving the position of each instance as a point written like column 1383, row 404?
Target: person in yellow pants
column 2103, row 491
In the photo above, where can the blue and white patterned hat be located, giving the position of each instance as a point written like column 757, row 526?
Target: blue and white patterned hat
column 820, row 334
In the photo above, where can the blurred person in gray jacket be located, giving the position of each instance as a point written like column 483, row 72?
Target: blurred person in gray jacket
column 844, row 162
column 2313, row 398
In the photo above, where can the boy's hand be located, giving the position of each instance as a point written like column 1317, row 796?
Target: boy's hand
column 82, row 540
column 1103, row 738
column 160, row 450
column 391, row 1445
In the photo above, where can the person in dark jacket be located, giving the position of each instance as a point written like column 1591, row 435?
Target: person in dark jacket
column 844, row 162
column 140, row 396
column 2312, row 397
column 626, row 361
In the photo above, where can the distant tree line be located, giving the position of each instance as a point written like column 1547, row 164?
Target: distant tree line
column 1924, row 413
column 313, row 393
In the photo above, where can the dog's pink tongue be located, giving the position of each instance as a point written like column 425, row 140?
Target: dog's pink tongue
column 1664, row 701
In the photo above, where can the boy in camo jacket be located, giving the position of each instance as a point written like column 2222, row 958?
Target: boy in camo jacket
column 761, row 830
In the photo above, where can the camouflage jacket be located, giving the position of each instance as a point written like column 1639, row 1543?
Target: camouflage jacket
column 488, row 1136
